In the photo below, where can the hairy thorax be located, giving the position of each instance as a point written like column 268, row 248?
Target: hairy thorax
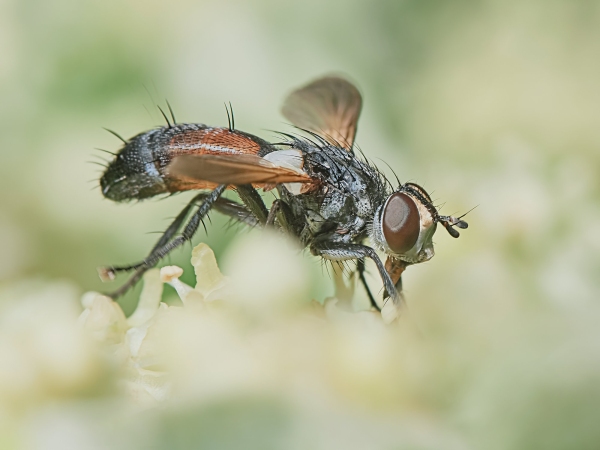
column 344, row 204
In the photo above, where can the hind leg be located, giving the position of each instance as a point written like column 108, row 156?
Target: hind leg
column 166, row 243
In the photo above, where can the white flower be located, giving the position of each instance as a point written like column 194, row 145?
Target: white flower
column 44, row 354
column 220, row 362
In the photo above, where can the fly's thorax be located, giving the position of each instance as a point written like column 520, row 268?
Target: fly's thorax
column 343, row 202
column 404, row 225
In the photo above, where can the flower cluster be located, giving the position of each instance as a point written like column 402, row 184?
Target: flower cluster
column 229, row 336
column 245, row 361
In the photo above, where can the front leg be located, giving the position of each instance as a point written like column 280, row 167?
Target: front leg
column 339, row 251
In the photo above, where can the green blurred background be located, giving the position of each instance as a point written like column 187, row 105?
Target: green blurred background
column 492, row 103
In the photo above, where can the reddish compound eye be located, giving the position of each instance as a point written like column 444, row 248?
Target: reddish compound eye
column 401, row 222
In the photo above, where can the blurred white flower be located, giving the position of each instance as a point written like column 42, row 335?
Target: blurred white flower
column 238, row 365
column 44, row 354
column 268, row 273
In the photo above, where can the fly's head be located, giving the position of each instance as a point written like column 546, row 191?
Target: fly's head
column 404, row 225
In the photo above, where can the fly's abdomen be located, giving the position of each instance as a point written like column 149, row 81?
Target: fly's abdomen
column 133, row 173
column 138, row 170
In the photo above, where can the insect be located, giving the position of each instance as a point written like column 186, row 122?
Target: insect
column 329, row 198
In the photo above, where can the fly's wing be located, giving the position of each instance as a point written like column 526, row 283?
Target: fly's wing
column 329, row 107
column 198, row 139
column 234, row 170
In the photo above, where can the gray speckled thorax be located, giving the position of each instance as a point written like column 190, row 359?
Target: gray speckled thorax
column 342, row 208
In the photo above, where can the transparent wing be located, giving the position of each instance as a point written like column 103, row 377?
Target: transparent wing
column 329, row 106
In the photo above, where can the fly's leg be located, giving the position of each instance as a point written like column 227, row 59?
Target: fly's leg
column 253, row 201
column 165, row 243
column 337, row 251
column 233, row 210
column 109, row 273
column 189, row 230
column 275, row 207
column 281, row 211
column 360, row 268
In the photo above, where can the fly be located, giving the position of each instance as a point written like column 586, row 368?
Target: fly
column 331, row 200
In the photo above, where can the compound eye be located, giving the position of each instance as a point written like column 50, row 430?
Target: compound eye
column 401, row 223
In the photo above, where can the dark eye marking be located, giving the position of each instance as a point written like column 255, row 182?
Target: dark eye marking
column 400, row 222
